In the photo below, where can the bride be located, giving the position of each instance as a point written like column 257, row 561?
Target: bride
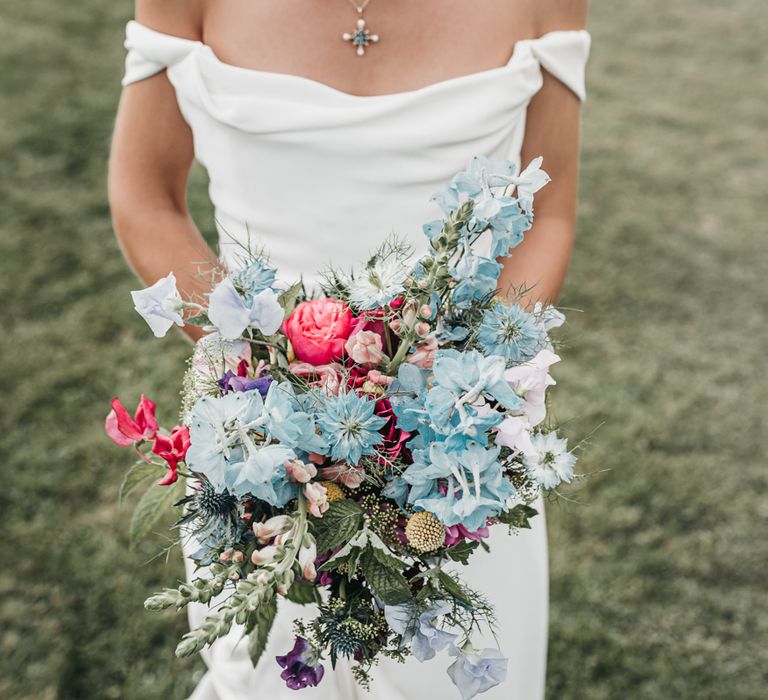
column 311, row 119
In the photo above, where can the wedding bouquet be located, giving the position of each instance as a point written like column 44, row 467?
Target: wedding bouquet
column 352, row 448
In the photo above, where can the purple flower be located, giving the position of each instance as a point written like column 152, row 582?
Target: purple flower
column 301, row 667
column 475, row 672
column 428, row 639
column 232, row 382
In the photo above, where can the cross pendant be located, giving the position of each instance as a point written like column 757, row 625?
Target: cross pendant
column 360, row 38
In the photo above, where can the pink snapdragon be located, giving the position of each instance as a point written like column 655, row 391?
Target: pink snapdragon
column 365, row 348
column 317, row 499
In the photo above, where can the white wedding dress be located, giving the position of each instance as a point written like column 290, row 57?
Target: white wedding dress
column 315, row 176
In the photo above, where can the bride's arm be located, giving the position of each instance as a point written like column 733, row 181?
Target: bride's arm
column 152, row 153
column 539, row 264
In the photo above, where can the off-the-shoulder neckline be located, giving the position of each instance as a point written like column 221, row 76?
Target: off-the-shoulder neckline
column 330, row 89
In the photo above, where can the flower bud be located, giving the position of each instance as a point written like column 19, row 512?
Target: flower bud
column 422, row 329
column 425, row 311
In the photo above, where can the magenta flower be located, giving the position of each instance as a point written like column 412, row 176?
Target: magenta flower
column 173, row 449
column 458, row 533
column 124, row 430
column 301, row 666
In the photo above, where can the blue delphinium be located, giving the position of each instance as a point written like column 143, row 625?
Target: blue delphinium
column 255, row 277
column 350, row 426
column 511, row 332
column 476, row 278
column 286, row 421
column 475, row 672
column 461, row 487
column 227, row 435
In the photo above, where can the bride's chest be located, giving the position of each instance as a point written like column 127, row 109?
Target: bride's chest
column 419, row 43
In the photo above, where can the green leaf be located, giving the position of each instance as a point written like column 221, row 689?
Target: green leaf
column 453, row 588
column 150, row 508
column 519, row 516
column 303, row 592
column 258, row 628
column 134, row 476
column 287, row 299
column 338, row 525
column 199, row 320
column 462, row 550
column 386, row 584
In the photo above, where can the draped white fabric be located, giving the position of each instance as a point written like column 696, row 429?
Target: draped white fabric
column 317, row 176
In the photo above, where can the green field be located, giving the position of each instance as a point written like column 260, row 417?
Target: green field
column 660, row 567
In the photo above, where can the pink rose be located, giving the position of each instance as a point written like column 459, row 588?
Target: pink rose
column 124, row 430
column 365, row 348
column 318, row 330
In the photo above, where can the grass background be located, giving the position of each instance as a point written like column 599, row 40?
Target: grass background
column 658, row 576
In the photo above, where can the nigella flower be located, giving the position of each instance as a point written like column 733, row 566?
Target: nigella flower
column 475, row 672
column 511, row 332
column 301, row 664
column 550, row 462
column 255, row 277
column 159, row 305
column 349, row 424
column 379, row 284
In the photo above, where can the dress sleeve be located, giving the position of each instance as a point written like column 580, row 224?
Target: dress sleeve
column 563, row 54
column 150, row 52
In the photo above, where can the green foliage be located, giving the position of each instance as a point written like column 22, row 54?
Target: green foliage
column 386, row 582
column 518, row 517
column 258, row 629
column 462, row 551
column 153, row 505
column 338, row 525
column 303, row 593
column 135, row 475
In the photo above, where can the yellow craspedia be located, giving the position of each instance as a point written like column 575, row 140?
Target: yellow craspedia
column 334, row 491
column 425, row 532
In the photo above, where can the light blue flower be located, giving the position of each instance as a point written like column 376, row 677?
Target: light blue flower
column 507, row 225
column 255, row 277
column 262, row 474
column 550, row 462
column 477, row 278
column 285, row 420
column 226, row 445
column 350, row 426
column 469, row 375
column 511, row 332
column 420, row 631
column 231, row 315
column 159, row 305
column 432, row 229
column 475, row 672
column 428, row 639
column 461, row 487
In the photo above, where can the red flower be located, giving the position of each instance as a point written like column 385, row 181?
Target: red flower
column 394, row 437
column 124, row 430
column 318, row 330
column 173, row 449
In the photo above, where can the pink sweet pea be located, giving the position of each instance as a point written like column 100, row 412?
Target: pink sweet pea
column 458, row 533
column 173, row 449
column 365, row 348
column 530, row 381
column 124, row 430
column 345, row 474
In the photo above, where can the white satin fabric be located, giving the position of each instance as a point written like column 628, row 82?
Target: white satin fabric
column 317, row 176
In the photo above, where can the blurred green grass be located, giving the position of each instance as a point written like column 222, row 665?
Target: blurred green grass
column 658, row 572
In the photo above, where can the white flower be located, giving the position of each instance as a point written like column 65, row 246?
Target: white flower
column 530, row 381
column 551, row 462
column 548, row 317
column 228, row 311
column 159, row 305
column 379, row 284
column 515, row 432
column 528, row 182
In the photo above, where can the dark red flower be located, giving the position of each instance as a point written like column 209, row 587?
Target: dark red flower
column 394, row 438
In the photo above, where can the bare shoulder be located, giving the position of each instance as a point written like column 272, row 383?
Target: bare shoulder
column 178, row 17
column 553, row 15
